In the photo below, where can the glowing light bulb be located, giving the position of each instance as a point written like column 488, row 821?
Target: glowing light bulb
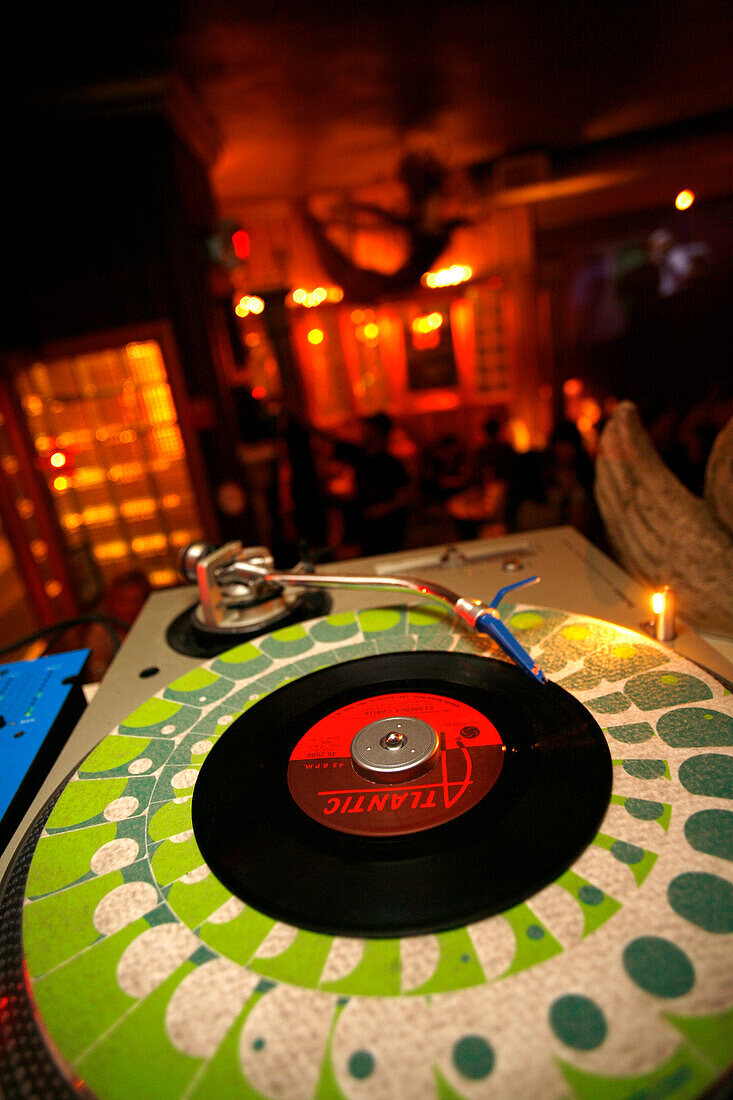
column 684, row 199
column 315, row 336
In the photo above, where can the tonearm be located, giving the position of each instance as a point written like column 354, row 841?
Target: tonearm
column 232, row 578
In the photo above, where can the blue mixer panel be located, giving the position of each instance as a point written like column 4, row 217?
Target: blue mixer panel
column 40, row 703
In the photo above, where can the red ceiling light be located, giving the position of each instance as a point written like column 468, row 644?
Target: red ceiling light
column 240, row 243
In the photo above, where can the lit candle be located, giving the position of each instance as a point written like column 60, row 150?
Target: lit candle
column 664, row 607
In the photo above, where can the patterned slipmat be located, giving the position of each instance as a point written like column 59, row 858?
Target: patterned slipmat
column 149, row 979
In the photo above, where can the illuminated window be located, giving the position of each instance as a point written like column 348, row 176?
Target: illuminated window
column 140, row 508
column 106, row 426
column 149, row 544
column 111, row 551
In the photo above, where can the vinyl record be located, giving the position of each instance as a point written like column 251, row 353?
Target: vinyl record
column 294, row 826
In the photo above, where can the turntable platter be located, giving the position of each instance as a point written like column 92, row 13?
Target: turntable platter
column 129, row 969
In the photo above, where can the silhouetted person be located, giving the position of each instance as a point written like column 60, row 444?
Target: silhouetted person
column 479, row 510
column 560, row 491
column 376, row 516
column 446, row 468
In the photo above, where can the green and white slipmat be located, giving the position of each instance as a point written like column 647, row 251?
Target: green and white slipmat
column 153, row 980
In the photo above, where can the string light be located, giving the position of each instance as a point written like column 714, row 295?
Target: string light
column 250, row 303
column 427, row 323
column 311, row 298
column 447, row 276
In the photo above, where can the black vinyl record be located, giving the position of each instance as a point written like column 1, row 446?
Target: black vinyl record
column 530, row 816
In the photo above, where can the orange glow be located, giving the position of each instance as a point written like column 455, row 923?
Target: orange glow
column 125, row 472
column 572, row 387
column 519, row 435
column 181, row 537
column 158, row 404
column 438, row 401
column 60, row 483
column 447, row 276
column 149, row 544
column 146, row 363
column 423, row 340
column 658, row 603
column 250, row 303
column 684, row 199
column 591, row 411
column 167, row 442
column 315, row 336
column 371, row 331
column 140, row 508
column 33, row 405
column 463, row 333
column 111, row 551
column 80, row 438
column 53, row 589
column 88, row 475
column 259, row 392
column 311, row 298
column 98, row 514
column 427, row 323
column 160, row 578
column 39, row 549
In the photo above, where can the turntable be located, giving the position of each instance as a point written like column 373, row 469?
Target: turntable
column 320, row 840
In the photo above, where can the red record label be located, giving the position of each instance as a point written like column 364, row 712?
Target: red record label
column 324, row 783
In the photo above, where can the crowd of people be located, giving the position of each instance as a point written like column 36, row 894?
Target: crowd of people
column 371, row 490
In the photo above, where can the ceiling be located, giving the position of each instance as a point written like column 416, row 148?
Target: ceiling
column 315, row 98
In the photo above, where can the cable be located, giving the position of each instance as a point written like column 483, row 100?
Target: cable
column 109, row 622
